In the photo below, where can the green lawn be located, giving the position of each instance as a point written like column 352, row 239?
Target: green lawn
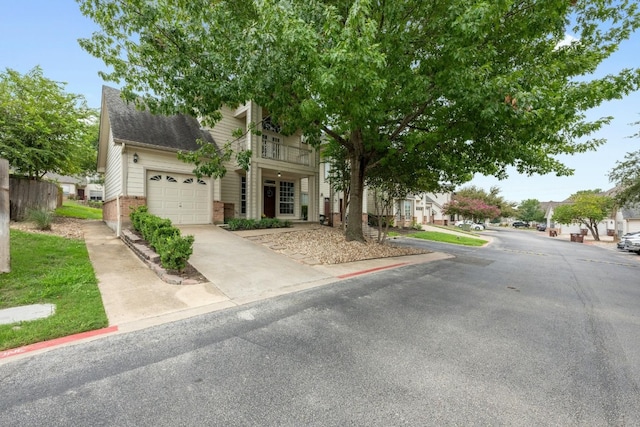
column 55, row 270
column 448, row 238
column 73, row 209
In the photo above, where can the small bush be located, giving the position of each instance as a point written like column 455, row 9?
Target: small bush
column 42, row 217
column 175, row 251
column 236, row 224
column 164, row 238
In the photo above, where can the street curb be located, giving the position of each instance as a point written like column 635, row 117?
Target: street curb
column 58, row 341
column 371, row 270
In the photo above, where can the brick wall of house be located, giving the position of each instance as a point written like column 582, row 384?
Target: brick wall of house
column 218, row 212
column 127, row 203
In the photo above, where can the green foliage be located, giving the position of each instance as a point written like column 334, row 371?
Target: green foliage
column 174, row 249
column 626, row 175
column 447, row 88
column 42, row 128
column 530, row 211
column 236, row 224
column 50, row 269
column 41, row 217
column 588, row 208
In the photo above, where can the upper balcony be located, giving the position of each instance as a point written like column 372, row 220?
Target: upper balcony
column 273, row 149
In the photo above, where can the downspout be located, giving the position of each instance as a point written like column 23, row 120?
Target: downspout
column 122, row 188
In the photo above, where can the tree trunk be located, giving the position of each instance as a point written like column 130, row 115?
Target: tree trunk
column 358, row 163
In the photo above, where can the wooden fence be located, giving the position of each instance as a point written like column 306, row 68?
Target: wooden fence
column 26, row 194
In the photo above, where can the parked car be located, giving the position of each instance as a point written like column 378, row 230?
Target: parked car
column 541, row 227
column 518, row 224
column 623, row 240
column 472, row 225
column 632, row 244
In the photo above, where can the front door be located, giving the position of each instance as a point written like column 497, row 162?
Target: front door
column 269, row 208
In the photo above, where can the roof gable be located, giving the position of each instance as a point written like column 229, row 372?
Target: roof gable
column 128, row 124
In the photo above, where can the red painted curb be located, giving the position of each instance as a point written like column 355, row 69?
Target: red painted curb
column 371, row 270
column 58, row 341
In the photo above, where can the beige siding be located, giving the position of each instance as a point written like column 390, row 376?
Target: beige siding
column 231, row 190
column 151, row 160
column 113, row 171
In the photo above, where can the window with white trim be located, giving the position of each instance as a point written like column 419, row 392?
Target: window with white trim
column 287, row 197
column 243, row 194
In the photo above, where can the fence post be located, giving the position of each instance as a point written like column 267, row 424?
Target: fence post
column 5, row 261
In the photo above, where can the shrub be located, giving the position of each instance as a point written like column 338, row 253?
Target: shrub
column 175, row 252
column 236, row 224
column 42, row 217
column 164, row 238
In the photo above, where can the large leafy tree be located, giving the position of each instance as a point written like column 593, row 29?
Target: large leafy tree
column 587, row 207
column 468, row 86
column 530, row 211
column 626, row 175
column 43, row 128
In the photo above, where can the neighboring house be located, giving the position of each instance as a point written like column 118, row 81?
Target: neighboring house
column 627, row 220
column 138, row 155
column 72, row 187
column 426, row 208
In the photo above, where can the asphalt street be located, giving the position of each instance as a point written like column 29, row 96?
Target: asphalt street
column 527, row 331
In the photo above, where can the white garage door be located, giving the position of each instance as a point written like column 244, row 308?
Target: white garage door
column 184, row 199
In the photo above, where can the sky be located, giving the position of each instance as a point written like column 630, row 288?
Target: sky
column 45, row 33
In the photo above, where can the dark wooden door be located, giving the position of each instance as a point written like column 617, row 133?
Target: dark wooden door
column 269, row 208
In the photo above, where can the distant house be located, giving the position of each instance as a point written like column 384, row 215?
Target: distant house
column 627, row 220
column 72, row 187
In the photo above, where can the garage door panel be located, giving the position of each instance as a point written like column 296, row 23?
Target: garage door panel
column 181, row 198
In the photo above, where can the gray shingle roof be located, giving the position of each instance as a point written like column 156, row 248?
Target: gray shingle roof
column 177, row 132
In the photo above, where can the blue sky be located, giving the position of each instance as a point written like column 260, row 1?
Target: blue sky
column 45, row 33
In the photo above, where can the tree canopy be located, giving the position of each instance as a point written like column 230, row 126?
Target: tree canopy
column 530, row 211
column 449, row 87
column 626, row 175
column 470, row 208
column 588, row 207
column 43, row 129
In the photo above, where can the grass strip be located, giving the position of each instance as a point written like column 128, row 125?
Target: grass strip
column 448, row 238
column 50, row 270
column 71, row 209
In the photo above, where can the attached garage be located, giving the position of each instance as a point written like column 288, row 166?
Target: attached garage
column 184, row 199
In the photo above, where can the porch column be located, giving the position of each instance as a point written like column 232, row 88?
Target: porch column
column 254, row 192
column 314, row 198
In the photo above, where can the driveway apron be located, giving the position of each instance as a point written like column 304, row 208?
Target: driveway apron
column 246, row 271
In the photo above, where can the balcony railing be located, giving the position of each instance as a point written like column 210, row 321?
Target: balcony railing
column 285, row 153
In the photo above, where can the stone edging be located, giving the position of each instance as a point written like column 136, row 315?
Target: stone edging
column 152, row 259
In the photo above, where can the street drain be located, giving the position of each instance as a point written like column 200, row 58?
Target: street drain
column 513, row 289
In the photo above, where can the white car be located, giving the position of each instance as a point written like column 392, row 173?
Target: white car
column 632, row 244
column 472, row 225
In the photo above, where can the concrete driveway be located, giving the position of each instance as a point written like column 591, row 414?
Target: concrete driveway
column 245, row 271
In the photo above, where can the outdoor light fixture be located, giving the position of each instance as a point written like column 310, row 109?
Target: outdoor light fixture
column 279, row 174
column 135, row 157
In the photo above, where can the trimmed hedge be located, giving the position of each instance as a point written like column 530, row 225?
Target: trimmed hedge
column 236, row 224
column 164, row 238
